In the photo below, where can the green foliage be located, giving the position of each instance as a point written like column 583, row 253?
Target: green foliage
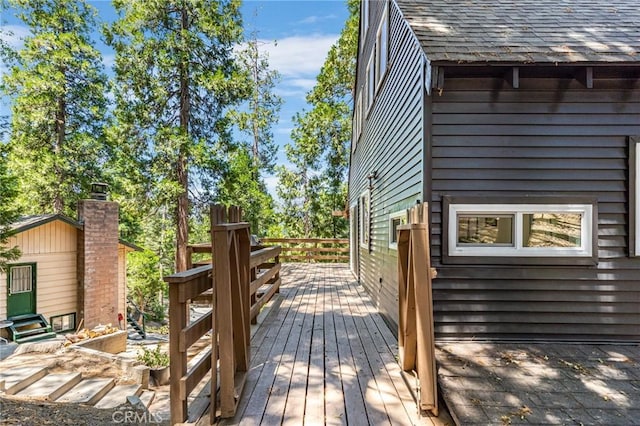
column 262, row 107
column 175, row 77
column 241, row 188
column 144, row 280
column 58, row 88
column 153, row 358
column 8, row 212
column 316, row 185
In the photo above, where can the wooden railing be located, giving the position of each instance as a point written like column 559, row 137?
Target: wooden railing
column 415, row 305
column 311, row 249
column 238, row 284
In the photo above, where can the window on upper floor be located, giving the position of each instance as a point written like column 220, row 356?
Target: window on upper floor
column 634, row 195
column 382, row 49
column 357, row 120
column 365, row 20
column 371, row 80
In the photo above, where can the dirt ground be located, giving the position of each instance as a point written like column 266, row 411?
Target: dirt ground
column 14, row 412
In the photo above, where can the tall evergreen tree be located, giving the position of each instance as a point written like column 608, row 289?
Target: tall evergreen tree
column 57, row 85
column 319, row 150
column 244, row 184
column 8, row 211
column 176, row 75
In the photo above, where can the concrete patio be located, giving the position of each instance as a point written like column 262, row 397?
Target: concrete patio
column 534, row 383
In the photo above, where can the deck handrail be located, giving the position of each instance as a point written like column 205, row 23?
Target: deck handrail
column 238, row 299
column 312, row 249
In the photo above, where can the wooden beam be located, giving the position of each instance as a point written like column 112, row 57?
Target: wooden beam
column 585, row 77
column 513, row 77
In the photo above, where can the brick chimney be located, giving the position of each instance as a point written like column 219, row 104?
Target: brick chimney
column 98, row 260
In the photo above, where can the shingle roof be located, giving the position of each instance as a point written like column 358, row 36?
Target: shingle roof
column 526, row 31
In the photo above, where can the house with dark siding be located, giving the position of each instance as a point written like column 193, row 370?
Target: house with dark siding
column 519, row 123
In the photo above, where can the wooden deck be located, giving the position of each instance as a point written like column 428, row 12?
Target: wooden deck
column 324, row 356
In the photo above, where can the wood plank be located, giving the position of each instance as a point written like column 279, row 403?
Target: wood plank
column 335, row 409
column 261, row 256
column 264, row 278
column 195, row 331
column 275, row 411
column 268, row 357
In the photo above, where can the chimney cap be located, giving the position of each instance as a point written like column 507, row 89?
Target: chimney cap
column 99, row 191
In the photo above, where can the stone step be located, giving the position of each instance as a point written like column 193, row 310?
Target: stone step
column 88, row 391
column 147, row 397
column 118, row 395
column 51, row 386
column 16, row 379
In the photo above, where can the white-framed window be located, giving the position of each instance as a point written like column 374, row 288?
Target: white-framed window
column 365, row 20
column 634, row 195
column 520, row 230
column 395, row 220
column 370, row 83
column 20, row 279
column 365, row 219
column 382, row 49
column 64, row 322
column 357, row 121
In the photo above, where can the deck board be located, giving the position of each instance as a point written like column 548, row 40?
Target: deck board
column 323, row 356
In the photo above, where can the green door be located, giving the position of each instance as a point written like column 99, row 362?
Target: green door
column 21, row 290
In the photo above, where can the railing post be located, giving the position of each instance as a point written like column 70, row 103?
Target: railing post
column 178, row 359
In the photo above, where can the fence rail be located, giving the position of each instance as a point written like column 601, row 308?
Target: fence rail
column 237, row 284
column 311, row 249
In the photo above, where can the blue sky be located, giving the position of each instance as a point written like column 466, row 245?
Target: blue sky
column 297, row 36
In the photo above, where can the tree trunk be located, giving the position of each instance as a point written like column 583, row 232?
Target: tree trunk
column 61, row 120
column 182, row 174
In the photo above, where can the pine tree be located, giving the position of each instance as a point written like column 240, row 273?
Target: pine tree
column 57, row 85
column 319, row 149
column 176, row 75
column 8, row 212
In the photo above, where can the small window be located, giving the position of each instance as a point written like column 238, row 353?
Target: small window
column 634, row 195
column 64, row 322
column 395, row 220
column 382, row 50
column 521, row 230
column 357, row 121
column 370, row 82
column 21, row 279
column 365, row 220
column 365, row 19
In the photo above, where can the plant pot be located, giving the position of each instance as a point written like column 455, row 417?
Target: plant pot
column 160, row 375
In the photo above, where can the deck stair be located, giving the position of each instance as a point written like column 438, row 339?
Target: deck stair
column 21, row 377
column 69, row 387
column 29, row 328
column 88, row 391
column 51, row 386
column 118, row 395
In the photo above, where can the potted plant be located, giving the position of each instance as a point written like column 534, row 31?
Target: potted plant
column 158, row 362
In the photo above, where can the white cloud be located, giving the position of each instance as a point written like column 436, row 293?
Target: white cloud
column 109, row 60
column 13, row 35
column 315, row 19
column 299, row 56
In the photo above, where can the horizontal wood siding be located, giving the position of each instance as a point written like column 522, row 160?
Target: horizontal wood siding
column 53, row 248
column 391, row 146
column 548, row 138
